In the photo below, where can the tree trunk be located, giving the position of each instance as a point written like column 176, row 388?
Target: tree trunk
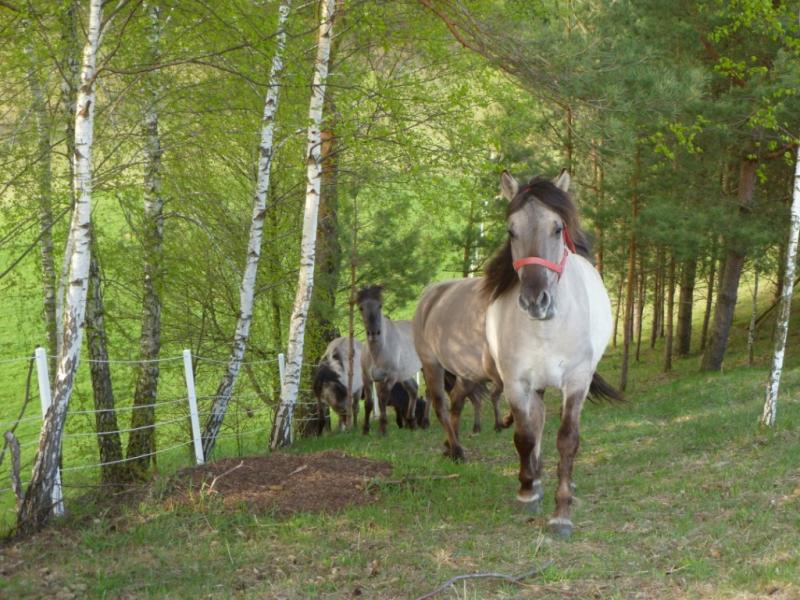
column 658, row 297
column 782, row 323
column 36, row 507
column 751, row 329
column 685, row 303
column 640, row 302
column 282, row 428
column 247, row 288
column 70, row 80
column 729, row 283
column 618, row 309
column 44, row 192
column 670, row 314
column 351, row 309
column 108, row 440
column 142, row 440
column 627, row 331
column 709, row 299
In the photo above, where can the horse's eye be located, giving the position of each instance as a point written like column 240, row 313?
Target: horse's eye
column 511, row 234
column 559, row 229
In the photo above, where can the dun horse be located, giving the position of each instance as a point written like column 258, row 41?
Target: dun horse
column 449, row 333
column 547, row 325
column 389, row 357
column 330, row 380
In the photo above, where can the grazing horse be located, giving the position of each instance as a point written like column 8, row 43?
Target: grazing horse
column 330, row 381
column 547, row 325
column 450, row 336
column 389, row 357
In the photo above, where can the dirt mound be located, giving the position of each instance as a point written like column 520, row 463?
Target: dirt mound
column 285, row 483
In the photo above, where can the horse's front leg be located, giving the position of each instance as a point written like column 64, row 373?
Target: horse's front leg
column 383, row 398
column 528, row 414
column 568, row 441
column 366, row 392
column 476, row 405
column 410, row 386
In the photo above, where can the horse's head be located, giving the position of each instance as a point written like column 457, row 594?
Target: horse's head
column 370, row 302
column 538, row 236
column 329, row 388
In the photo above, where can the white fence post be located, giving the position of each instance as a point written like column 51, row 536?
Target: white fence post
column 193, row 415
column 46, row 399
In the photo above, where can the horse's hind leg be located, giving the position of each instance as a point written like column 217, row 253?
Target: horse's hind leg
column 476, row 405
column 410, row 386
column 383, row 398
column 568, row 441
column 434, row 389
column 366, row 392
column 528, row 427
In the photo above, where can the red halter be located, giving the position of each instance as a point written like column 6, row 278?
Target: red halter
column 556, row 268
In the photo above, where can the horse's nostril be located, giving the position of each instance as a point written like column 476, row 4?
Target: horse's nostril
column 523, row 302
column 544, row 299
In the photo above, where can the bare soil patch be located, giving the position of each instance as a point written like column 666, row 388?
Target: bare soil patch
column 284, row 483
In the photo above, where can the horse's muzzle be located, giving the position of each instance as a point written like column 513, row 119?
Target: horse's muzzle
column 540, row 310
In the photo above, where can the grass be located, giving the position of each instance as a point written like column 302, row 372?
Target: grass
column 680, row 495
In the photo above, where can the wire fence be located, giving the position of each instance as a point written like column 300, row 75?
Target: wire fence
column 179, row 416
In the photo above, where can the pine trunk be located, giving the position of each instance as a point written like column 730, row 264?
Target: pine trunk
column 658, row 297
column 729, row 282
column 282, row 428
column 641, row 298
column 751, row 329
column 782, row 323
column 685, row 303
column 670, row 314
column 618, row 308
column 108, row 440
column 712, row 270
column 142, row 440
column 627, row 330
column 36, row 506
column 247, row 288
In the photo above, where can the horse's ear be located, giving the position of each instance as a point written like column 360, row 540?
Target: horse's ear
column 508, row 186
column 563, row 180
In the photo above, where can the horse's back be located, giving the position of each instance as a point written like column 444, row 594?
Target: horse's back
column 449, row 326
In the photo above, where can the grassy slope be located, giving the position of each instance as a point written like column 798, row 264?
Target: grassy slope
column 680, row 495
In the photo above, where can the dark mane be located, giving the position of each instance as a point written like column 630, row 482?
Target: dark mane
column 500, row 273
column 373, row 292
column 324, row 374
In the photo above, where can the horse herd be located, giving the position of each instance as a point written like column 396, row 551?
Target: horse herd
column 539, row 317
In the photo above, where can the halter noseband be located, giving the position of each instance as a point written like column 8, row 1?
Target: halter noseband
column 569, row 246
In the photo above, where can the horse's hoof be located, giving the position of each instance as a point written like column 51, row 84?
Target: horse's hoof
column 456, row 454
column 425, row 423
column 560, row 527
column 531, row 507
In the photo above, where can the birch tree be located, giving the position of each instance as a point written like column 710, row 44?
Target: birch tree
column 36, row 506
column 282, row 427
column 247, row 287
column 785, row 305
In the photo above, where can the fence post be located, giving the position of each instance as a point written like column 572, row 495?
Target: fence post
column 193, row 415
column 45, row 397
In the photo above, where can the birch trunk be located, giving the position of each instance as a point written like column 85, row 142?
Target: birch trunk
column 141, row 441
column 44, row 192
column 282, row 428
column 782, row 324
column 247, row 287
column 69, row 91
column 36, row 507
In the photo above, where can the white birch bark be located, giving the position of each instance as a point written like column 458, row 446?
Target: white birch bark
column 36, row 506
column 784, row 307
column 282, row 427
column 247, row 287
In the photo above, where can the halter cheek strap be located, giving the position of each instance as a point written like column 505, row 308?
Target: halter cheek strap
column 556, row 268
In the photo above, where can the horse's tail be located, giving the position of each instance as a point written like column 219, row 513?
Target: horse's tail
column 600, row 389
